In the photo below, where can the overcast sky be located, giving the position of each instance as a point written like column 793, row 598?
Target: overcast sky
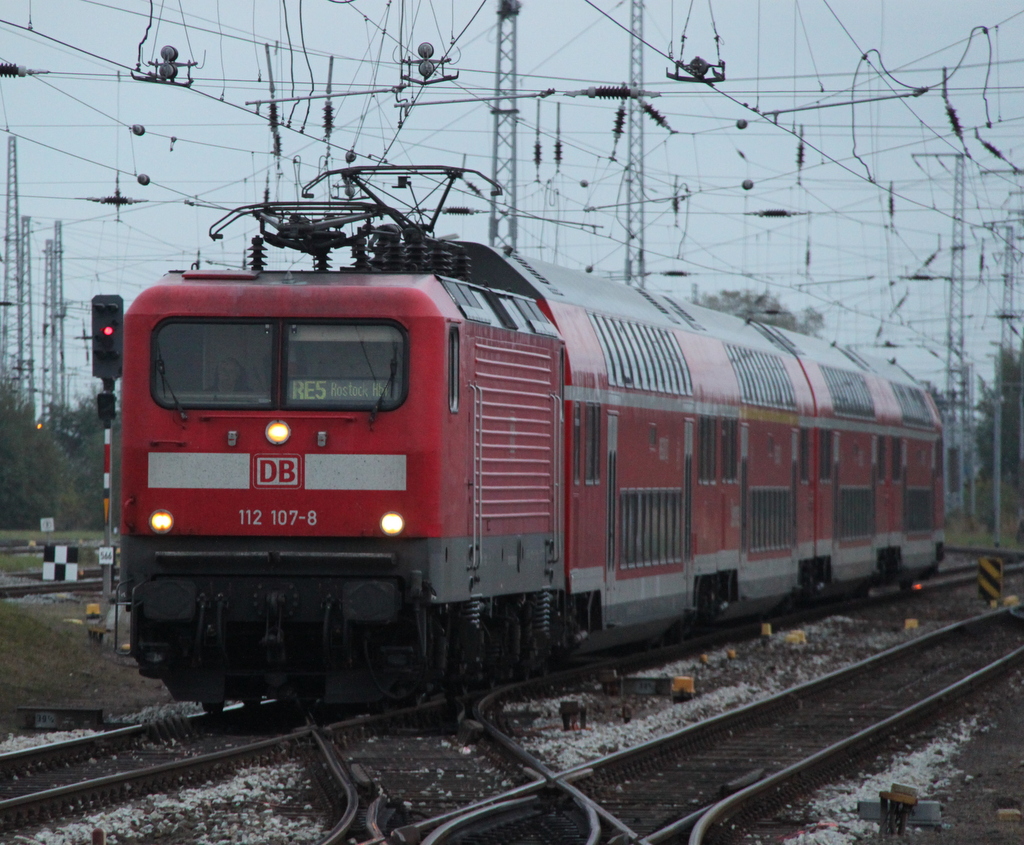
column 839, row 249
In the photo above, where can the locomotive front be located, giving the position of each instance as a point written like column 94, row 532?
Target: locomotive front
column 280, row 482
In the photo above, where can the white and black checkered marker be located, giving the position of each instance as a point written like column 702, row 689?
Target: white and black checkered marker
column 60, row 563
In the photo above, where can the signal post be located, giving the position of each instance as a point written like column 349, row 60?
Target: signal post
column 107, row 354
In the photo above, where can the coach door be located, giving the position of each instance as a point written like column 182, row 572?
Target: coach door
column 837, row 499
column 744, row 484
column 611, row 508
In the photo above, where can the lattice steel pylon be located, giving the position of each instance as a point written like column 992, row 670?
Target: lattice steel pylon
column 957, row 387
column 11, row 242
column 958, row 419
column 26, row 339
column 53, row 377
column 636, row 271
column 503, row 228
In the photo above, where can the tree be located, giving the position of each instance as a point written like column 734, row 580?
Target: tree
column 52, row 469
column 30, row 465
column 765, row 308
column 78, row 433
column 1011, row 401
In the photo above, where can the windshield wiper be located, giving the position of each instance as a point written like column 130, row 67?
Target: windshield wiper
column 166, row 385
column 387, row 387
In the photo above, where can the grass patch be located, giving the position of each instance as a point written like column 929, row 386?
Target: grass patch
column 21, row 563
column 40, row 538
column 47, row 659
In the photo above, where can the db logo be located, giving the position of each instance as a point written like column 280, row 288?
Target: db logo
column 276, row 471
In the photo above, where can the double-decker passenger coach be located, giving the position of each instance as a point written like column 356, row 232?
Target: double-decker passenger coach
column 443, row 463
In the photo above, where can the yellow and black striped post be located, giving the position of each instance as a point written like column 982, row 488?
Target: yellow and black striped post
column 990, row 578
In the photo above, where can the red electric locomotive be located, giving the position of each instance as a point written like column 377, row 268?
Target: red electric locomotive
column 444, row 463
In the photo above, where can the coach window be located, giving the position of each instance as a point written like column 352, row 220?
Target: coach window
column 824, row 455
column 212, row 364
column 730, row 452
column 805, row 455
column 576, row 443
column 881, row 460
column 707, row 445
column 897, row 459
column 355, row 366
column 593, row 444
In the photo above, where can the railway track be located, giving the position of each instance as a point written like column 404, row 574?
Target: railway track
column 49, row 784
column 705, row 782
column 423, row 773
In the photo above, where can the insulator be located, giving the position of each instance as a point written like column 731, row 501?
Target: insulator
column 360, row 260
column 655, row 115
column 741, row 123
column 169, row 53
column 7, row 69
column 142, row 179
column 257, row 254
column 611, row 92
column 440, row 258
column 322, row 262
column 536, row 153
column 328, row 117
column 774, row 212
column 800, row 155
column 747, row 184
column 458, row 209
column 473, row 187
column 460, row 263
column 620, row 121
column 558, row 152
column 954, row 121
column 415, row 256
column 138, row 129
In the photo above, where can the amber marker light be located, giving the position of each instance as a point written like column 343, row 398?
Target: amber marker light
column 278, row 432
column 917, row 586
column 161, row 521
column 392, row 523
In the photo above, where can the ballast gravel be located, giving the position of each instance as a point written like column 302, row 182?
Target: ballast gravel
column 721, row 683
column 244, row 810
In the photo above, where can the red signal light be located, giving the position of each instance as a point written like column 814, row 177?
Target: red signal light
column 108, row 330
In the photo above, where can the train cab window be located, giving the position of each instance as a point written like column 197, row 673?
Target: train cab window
column 212, row 364
column 453, row 369
column 357, row 366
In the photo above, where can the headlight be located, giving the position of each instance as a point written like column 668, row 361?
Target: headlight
column 278, row 432
column 161, row 521
column 392, row 523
